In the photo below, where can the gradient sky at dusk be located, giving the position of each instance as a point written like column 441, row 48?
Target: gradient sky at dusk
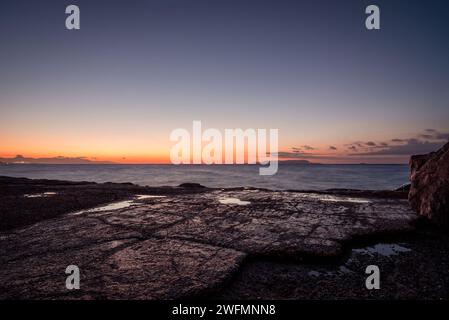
column 136, row 70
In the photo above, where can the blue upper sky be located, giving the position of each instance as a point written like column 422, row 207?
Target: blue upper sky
column 138, row 69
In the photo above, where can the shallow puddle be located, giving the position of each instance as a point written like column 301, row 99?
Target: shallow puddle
column 234, row 201
column 109, row 207
column 383, row 249
column 40, row 195
column 331, row 198
column 118, row 205
column 147, row 196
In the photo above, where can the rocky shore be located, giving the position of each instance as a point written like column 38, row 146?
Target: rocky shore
column 133, row 242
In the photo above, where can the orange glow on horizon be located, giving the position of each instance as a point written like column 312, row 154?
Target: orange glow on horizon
column 155, row 157
column 123, row 150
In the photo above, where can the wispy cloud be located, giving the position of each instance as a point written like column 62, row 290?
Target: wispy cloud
column 425, row 142
column 54, row 160
column 307, row 147
column 397, row 150
column 303, row 149
column 412, row 146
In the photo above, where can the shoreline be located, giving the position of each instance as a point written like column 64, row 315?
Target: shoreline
column 289, row 177
column 108, row 192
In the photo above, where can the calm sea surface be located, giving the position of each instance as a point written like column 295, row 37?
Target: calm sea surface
column 289, row 176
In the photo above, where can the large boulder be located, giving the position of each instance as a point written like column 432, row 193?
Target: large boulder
column 429, row 192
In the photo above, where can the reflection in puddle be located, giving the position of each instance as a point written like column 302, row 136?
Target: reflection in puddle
column 331, row 198
column 40, row 195
column 234, row 201
column 109, row 207
column 343, row 269
column 147, row 196
column 314, row 273
column 117, row 205
column 383, row 249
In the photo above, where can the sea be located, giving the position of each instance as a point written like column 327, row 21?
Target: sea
column 288, row 177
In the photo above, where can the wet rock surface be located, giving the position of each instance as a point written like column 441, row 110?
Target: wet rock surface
column 429, row 191
column 21, row 203
column 414, row 268
column 177, row 243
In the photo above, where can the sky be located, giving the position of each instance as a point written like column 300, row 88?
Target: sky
column 136, row 70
